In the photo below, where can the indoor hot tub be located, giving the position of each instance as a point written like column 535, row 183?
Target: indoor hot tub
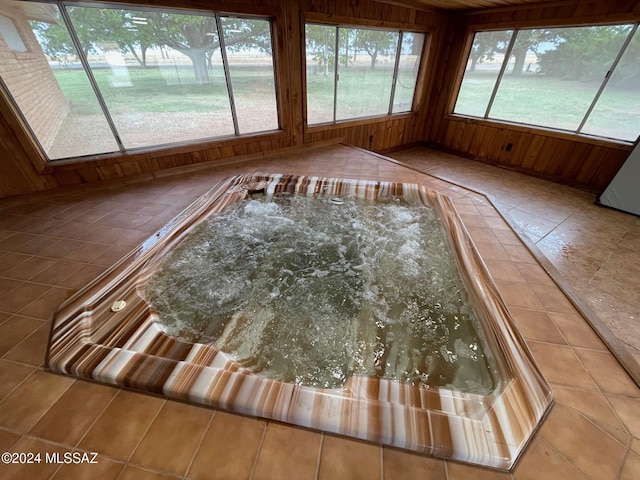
column 327, row 312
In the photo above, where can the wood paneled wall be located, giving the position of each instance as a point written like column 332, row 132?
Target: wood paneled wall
column 23, row 170
column 565, row 158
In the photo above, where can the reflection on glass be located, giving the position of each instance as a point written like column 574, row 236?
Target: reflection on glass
column 365, row 72
column 481, row 73
column 617, row 112
column 44, row 76
column 320, row 60
column 554, row 74
column 250, row 57
column 408, row 66
column 160, row 73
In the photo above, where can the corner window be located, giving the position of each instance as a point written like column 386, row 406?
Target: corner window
column 579, row 79
column 108, row 79
column 356, row 72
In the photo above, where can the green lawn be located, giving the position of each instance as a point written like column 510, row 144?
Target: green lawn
column 538, row 100
column 171, row 89
column 529, row 99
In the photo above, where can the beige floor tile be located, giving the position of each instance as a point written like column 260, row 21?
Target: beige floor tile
column 504, row 270
column 534, row 274
column 460, row 471
column 11, row 375
column 43, row 306
column 589, row 448
column 607, row 372
column 537, row 325
column 519, row 253
column 31, row 350
column 553, row 299
column 24, row 406
column 75, row 411
column 631, row 467
column 134, row 473
column 41, row 470
column 28, row 268
column 15, row 330
column 56, row 273
column 7, row 285
column 229, row 448
column 10, row 260
column 591, row 404
column 288, row 452
column 492, row 251
column 172, row 440
column 635, row 445
column 560, row 365
column 122, row 425
column 628, row 408
column 402, row 465
column 82, row 277
column 577, row 332
column 519, row 295
column 103, row 469
column 8, row 440
column 110, row 256
column 485, row 235
column 344, row 458
column 21, row 296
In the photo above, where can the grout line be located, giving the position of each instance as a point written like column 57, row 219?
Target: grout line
column 142, row 437
column 200, row 442
column 258, row 450
column 320, row 447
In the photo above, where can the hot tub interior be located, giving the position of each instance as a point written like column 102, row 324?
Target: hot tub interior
column 312, row 291
column 391, row 378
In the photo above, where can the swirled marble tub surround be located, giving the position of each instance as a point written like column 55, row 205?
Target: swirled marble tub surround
column 129, row 348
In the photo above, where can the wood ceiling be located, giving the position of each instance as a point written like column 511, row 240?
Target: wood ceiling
column 465, row 4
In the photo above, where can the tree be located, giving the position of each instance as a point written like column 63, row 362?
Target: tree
column 321, row 41
column 530, row 40
column 195, row 36
column 584, row 53
column 486, row 45
column 377, row 42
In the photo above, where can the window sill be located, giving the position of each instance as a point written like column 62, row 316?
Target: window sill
column 320, row 127
column 547, row 132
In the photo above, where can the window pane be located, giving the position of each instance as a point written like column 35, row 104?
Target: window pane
column 365, row 72
column 481, row 73
column 320, row 59
column 160, row 73
column 50, row 87
column 554, row 74
column 408, row 67
column 248, row 44
column 617, row 113
column 10, row 35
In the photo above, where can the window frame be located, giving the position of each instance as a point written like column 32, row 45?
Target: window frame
column 552, row 131
column 413, row 29
column 44, row 164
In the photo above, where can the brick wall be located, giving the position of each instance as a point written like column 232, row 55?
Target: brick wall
column 31, row 81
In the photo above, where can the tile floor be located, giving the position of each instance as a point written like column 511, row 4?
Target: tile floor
column 52, row 244
column 595, row 249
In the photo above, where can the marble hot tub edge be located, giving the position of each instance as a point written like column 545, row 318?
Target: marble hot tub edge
column 129, row 348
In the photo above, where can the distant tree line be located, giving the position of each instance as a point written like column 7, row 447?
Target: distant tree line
column 135, row 32
column 580, row 53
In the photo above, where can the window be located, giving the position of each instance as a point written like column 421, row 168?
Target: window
column 123, row 79
column 10, row 35
column 375, row 72
column 578, row 79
